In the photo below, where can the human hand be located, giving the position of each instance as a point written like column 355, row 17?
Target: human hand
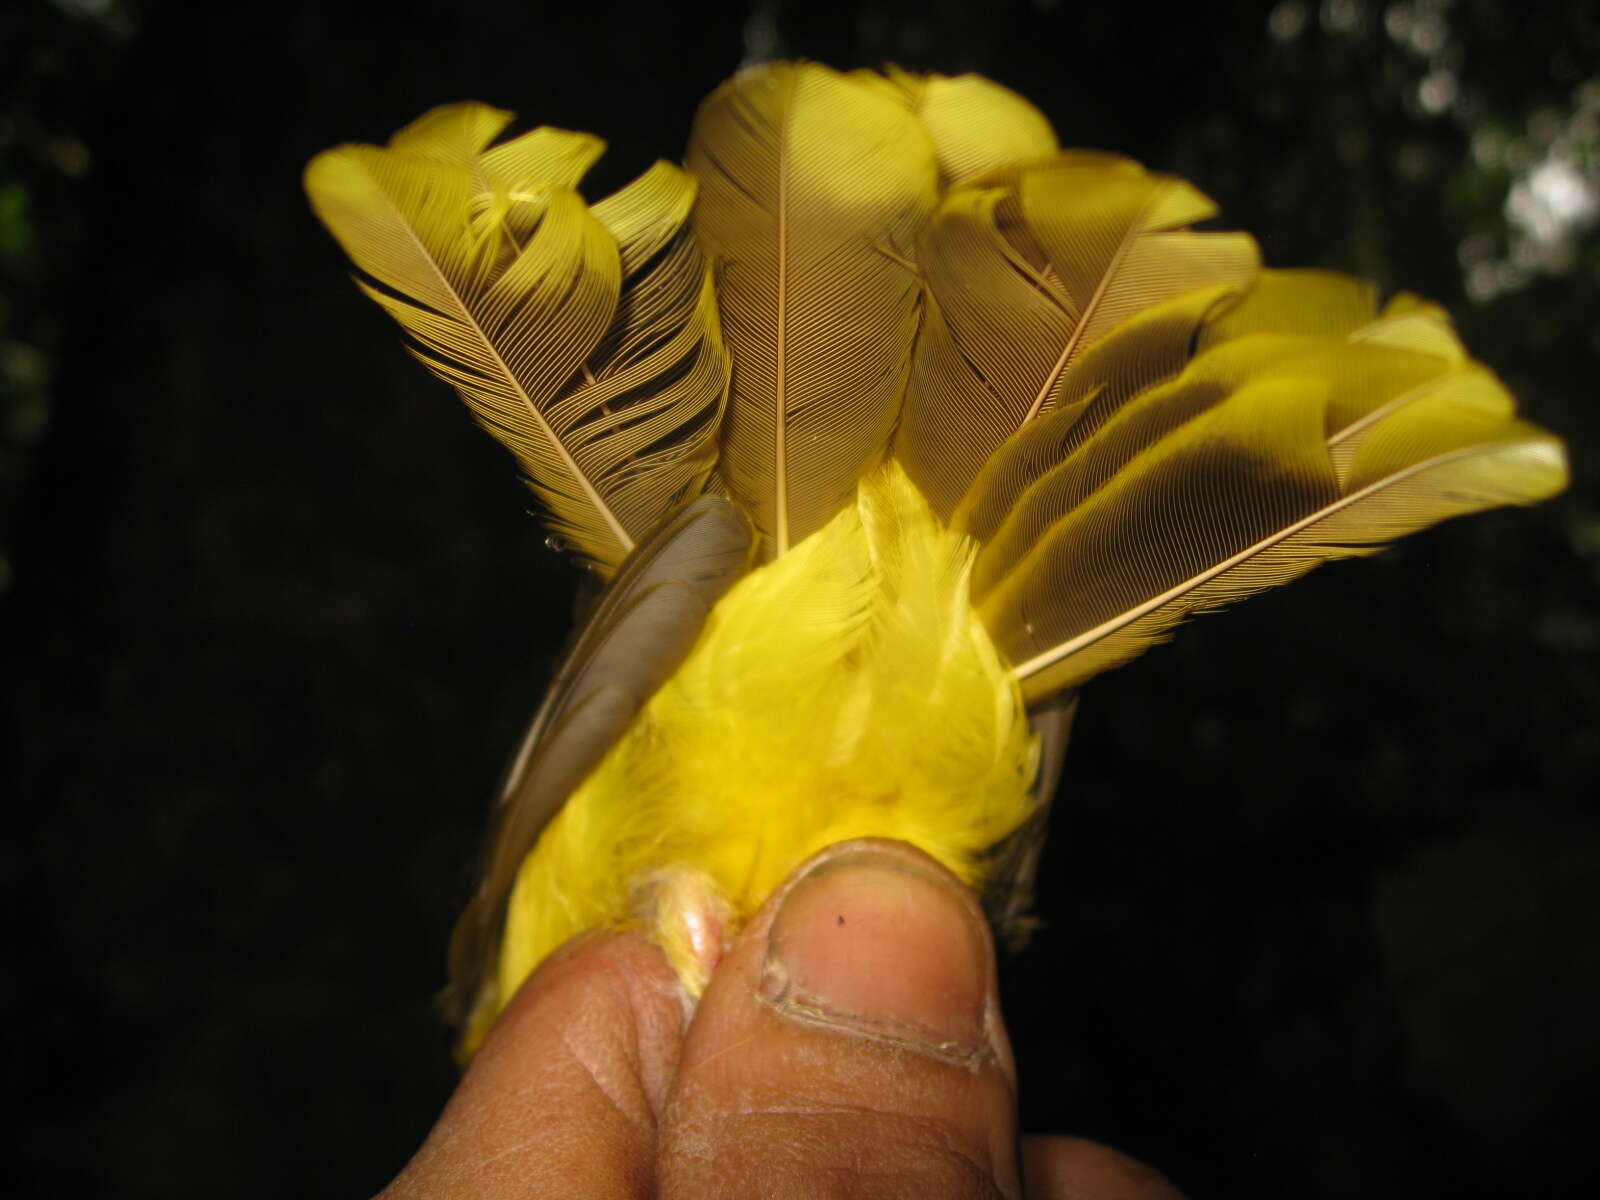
column 850, row 1043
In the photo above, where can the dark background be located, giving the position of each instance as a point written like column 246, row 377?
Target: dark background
column 1324, row 886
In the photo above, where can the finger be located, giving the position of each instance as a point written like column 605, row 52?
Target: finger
column 1069, row 1168
column 850, row 1044
column 562, row 1099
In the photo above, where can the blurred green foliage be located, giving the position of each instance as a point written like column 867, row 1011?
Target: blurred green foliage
column 44, row 49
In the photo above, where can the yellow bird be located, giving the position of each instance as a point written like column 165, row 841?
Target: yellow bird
column 889, row 423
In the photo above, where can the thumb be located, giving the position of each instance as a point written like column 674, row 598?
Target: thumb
column 850, row 1044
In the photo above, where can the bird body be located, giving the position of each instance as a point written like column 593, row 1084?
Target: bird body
column 800, row 719
column 889, row 424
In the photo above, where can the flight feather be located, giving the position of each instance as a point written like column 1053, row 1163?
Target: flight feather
column 1026, row 272
column 813, row 186
column 1268, row 455
column 585, row 340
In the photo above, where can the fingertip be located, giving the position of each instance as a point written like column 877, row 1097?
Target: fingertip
column 605, row 984
column 1073, row 1168
column 850, row 1040
column 570, row 1083
column 875, row 938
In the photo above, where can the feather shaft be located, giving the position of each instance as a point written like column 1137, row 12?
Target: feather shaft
column 812, row 188
column 1040, row 662
column 1028, row 272
column 587, row 341
column 1246, row 495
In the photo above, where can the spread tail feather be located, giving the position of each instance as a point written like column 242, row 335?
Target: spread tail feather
column 584, row 339
column 997, row 416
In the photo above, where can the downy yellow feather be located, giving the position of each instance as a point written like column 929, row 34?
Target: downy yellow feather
column 800, row 719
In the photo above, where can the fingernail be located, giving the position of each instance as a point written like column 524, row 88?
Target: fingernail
column 876, row 943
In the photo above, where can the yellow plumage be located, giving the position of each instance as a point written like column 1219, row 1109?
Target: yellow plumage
column 866, row 629
column 988, row 414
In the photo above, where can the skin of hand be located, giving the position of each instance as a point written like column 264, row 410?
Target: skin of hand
column 849, row 1043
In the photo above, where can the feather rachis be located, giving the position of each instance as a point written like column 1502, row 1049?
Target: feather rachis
column 1090, row 450
column 1131, row 362
column 1028, row 270
column 807, row 177
column 1332, row 531
column 529, row 302
column 1214, row 485
column 1451, row 448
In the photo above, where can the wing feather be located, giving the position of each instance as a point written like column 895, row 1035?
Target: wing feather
column 644, row 626
column 1226, row 482
column 813, row 186
column 586, row 340
column 1026, row 274
column 976, row 124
